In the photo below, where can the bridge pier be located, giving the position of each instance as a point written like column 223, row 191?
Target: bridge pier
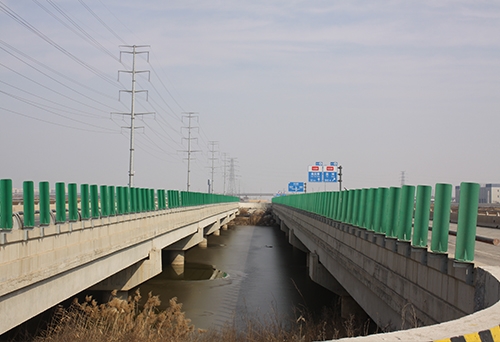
column 203, row 243
column 177, row 263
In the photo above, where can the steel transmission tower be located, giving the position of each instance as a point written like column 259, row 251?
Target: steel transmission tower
column 232, row 177
column 212, row 159
column 132, row 113
column 224, row 160
column 189, row 151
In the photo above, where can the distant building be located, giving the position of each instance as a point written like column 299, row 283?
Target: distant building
column 488, row 193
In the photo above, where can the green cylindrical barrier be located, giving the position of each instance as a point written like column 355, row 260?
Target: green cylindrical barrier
column 441, row 218
column 422, row 212
column 378, row 210
column 335, row 200
column 126, row 199
column 84, row 201
column 104, row 200
column 60, row 202
column 356, row 206
column 6, row 204
column 350, row 206
column 72, row 202
column 94, row 201
column 44, row 203
column 385, row 201
column 391, row 211
column 467, row 222
column 345, row 203
column 370, row 205
column 362, row 208
column 133, row 200
column 405, row 214
column 152, row 206
column 140, row 200
column 119, row 200
column 28, row 204
column 111, row 201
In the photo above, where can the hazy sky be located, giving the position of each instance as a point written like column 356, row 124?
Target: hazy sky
column 379, row 86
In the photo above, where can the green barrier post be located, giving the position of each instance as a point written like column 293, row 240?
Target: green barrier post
column 422, row 212
column 84, row 201
column 405, row 214
column 60, row 202
column 6, row 204
column 104, row 200
column 94, row 201
column 44, row 203
column 467, row 222
column 111, row 201
column 370, row 205
column 391, row 211
column 28, row 204
column 441, row 218
column 72, row 202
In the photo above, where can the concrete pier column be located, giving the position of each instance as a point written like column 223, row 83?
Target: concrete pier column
column 217, row 232
column 177, row 263
column 203, row 243
column 224, row 227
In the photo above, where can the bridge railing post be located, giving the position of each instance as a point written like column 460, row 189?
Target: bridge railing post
column 28, row 204
column 84, row 201
column 370, row 205
column 72, row 202
column 441, row 218
column 104, row 200
column 467, row 221
column 44, row 203
column 391, row 210
column 111, row 201
column 6, row 221
column 60, row 202
column 422, row 213
column 405, row 213
column 94, row 201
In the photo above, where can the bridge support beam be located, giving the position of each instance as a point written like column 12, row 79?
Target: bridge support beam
column 320, row 275
column 133, row 275
column 295, row 242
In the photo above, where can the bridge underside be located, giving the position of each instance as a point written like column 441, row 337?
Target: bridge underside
column 47, row 265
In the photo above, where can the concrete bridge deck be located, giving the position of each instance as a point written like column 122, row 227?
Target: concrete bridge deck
column 398, row 285
column 43, row 266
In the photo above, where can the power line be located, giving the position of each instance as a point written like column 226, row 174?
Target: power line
column 37, row 32
column 103, row 23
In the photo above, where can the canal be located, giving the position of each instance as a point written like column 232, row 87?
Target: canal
column 261, row 277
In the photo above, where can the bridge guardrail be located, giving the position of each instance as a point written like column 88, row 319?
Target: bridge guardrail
column 95, row 202
column 397, row 213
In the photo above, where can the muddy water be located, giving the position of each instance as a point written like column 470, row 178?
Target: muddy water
column 261, row 275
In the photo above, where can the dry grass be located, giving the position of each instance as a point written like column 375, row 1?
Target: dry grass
column 119, row 320
column 123, row 320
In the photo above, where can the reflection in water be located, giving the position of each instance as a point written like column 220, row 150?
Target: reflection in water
column 258, row 274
